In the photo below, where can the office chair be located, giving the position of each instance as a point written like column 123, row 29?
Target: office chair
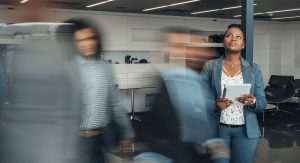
column 280, row 90
column 279, row 136
column 297, row 91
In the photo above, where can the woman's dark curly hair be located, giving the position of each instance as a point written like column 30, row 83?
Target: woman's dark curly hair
column 239, row 26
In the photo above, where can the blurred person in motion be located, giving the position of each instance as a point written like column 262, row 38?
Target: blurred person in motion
column 3, row 80
column 3, row 83
column 40, row 124
column 238, row 124
column 183, row 114
column 101, row 111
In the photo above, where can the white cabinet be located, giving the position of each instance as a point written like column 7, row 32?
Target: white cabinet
column 140, row 79
column 136, row 76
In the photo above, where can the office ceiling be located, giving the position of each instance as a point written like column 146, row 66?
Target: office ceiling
column 137, row 6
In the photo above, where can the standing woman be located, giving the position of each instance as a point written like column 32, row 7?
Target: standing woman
column 238, row 122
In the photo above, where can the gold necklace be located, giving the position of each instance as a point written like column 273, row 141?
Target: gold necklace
column 231, row 65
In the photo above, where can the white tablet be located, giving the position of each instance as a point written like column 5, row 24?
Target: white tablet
column 232, row 91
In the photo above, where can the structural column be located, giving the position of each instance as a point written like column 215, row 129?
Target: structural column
column 247, row 23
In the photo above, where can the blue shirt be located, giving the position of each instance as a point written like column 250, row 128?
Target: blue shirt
column 193, row 102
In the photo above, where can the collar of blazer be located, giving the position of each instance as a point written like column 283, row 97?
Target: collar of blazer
column 246, row 70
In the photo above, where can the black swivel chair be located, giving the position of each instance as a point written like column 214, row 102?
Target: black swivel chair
column 297, row 87
column 280, row 90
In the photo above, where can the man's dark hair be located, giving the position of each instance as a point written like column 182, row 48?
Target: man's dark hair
column 77, row 24
column 218, row 38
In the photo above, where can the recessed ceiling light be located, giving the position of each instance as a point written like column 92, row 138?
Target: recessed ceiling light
column 24, row 1
column 39, row 23
column 218, row 9
column 278, row 11
column 290, row 17
column 100, row 3
column 261, row 13
column 272, row 12
column 174, row 4
column 200, row 12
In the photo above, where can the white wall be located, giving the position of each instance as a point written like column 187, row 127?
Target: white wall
column 139, row 32
column 135, row 32
column 290, row 63
column 267, row 47
column 276, row 44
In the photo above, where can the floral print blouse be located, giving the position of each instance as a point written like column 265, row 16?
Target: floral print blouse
column 234, row 114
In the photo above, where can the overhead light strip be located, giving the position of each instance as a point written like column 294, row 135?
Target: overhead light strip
column 100, row 3
column 278, row 11
column 174, row 4
column 219, row 9
column 272, row 12
column 261, row 13
column 290, row 17
column 38, row 23
column 24, row 1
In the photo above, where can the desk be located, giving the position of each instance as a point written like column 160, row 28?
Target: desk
column 132, row 99
column 133, row 117
column 136, row 76
column 132, row 91
column 269, row 107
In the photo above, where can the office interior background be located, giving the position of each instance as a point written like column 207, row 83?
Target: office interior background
column 132, row 27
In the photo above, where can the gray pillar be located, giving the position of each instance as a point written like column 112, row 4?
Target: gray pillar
column 247, row 23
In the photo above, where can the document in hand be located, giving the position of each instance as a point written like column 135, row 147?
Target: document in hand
column 232, row 91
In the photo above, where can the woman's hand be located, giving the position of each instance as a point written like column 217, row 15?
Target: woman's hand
column 246, row 99
column 126, row 145
column 223, row 103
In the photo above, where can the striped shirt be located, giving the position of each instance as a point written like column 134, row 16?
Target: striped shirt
column 96, row 88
